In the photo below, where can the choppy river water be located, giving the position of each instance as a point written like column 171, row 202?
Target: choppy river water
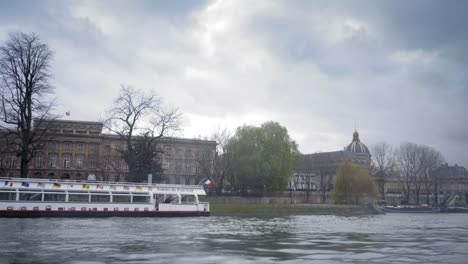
column 391, row 238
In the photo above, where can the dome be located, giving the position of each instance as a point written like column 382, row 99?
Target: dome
column 357, row 146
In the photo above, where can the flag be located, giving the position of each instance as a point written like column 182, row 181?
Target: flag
column 24, row 184
column 99, row 187
column 56, row 185
column 112, row 187
column 138, row 188
column 207, row 181
column 67, row 113
column 11, row 184
column 40, row 185
column 6, row 183
column 86, row 186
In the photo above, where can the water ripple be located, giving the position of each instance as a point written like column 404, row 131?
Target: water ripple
column 398, row 238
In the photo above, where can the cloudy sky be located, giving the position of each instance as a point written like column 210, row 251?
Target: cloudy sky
column 395, row 70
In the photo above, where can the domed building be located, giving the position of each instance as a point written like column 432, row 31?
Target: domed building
column 317, row 171
column 362, row 153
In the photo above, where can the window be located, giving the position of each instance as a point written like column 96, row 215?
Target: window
column 53, row 160
column 106, row 163
column 98, row 198
column 80, row 146
column 187, row 181
column 141, row 199
column 30, row 197
column 78, row 197
column 66, row 161
column 53, row 146
column 178, row 167
column 7, row 196
column 121, row 198
column 39, row 161
column 187, row 167
column 197, row 169
column 36, row 208
column 54, row 197
column 79, row 161
column 92, row 162
column 177, row 180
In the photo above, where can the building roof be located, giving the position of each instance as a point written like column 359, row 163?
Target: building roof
column 356, row 145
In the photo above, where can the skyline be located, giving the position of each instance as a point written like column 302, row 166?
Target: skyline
column 392, row 70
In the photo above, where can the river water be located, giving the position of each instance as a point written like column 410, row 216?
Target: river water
column 390, row 238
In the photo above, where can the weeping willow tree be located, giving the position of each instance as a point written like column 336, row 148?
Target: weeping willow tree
column 353, row 185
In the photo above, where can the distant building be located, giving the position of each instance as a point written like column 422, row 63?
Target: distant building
column 450, row 180
column 317, row 171
column 77, row 149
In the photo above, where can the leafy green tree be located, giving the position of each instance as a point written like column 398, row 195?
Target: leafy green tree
column 353, row 185
column 261, row 158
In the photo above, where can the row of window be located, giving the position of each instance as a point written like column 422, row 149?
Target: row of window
column 73, row 197
column 49, row 208
column 69, row 146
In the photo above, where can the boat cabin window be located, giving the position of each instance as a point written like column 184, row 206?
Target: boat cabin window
column 78, row 197
column 7, row 196
column 83, row 208
column 30, row 196
column 100, row 198
column 121, row 198
column 141, row 199
column 54, row 197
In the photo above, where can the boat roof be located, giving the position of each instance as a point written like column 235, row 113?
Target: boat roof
column 83, row 185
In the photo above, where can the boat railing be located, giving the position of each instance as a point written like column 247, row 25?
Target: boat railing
column 161, row 185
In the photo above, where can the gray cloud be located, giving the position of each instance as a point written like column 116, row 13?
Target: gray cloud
column 395, row 70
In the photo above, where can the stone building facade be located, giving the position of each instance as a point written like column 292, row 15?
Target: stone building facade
column 77, row 149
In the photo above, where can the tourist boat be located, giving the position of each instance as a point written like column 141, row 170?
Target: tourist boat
column 409, row 209
column 20, row 197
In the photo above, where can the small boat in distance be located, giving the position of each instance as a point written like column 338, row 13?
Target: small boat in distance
column 26, row 197
column 409, row 209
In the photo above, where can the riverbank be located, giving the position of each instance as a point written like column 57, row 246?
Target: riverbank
column 284, row 209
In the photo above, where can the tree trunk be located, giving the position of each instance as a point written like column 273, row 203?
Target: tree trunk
column 24, row 170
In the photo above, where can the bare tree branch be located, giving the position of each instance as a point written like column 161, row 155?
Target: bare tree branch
column 24, row 93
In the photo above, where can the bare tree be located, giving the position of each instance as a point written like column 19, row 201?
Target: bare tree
column 383, row 163
column 136, row 114
column 408, row 160
column 24, row 91
column 325, row 182
column 429, row 160
column 221, row 167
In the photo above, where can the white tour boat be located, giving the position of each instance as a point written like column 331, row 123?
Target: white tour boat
column 26, row 197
